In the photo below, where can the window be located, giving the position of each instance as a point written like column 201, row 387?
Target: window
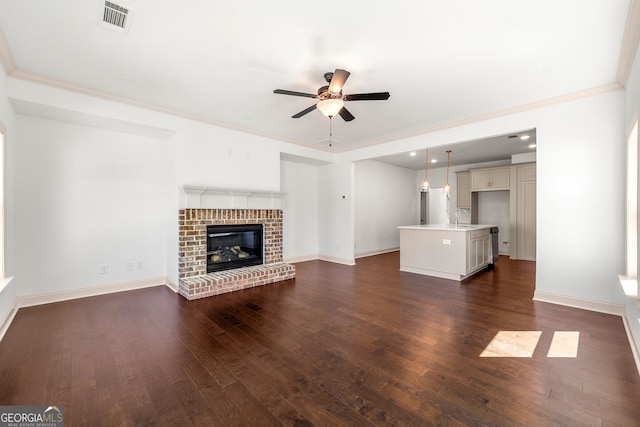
column 632, row 203
column 3, row 131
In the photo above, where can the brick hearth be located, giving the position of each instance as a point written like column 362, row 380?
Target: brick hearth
column 194, row 282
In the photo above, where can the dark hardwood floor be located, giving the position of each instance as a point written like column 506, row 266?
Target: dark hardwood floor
column 363, row 345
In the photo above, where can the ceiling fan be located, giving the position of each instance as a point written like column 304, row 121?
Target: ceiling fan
column 331, row 97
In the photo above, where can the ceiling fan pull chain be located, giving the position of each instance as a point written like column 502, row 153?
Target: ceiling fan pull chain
column 330, row 132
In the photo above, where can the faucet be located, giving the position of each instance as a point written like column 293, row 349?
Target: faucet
column 466, row 211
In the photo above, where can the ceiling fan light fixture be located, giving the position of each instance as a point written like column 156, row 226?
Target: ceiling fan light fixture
column 331, row 98
column 330, row 107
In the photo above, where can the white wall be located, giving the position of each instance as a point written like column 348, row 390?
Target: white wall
column 589, row 134
column 7, row 118
column 152, row 154
column 88, row 197
column 632, row 93
column 632, row 106
column 300, row 211
column 217, row 157
column 384, row 198
column 580, row 246
column 335, row 213
column 91, row 196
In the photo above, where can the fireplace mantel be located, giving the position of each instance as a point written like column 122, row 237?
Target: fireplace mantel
column 199, row 197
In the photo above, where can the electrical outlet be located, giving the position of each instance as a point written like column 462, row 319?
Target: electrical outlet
column 104, row 269
column 129, row 266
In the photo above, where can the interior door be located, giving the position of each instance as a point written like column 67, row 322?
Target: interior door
column 424, row 208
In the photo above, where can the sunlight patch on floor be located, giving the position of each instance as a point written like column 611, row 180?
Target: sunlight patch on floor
column 512, row 344
column 524, row 343
column 564, row 344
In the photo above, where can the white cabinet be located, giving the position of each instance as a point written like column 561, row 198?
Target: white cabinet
column 490, row 179
column 478, row 250
column 464, row 190
column 445, row 250
column 526, row 212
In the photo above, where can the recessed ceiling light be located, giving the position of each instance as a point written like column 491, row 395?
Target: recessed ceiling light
column 434, row 160
column 412, row 154
column 525, row 137
column 532, row 145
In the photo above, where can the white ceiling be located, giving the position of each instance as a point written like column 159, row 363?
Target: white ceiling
column 442, row 61
column 496, row 148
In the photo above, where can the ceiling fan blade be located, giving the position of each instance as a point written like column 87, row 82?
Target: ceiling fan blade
column 303, row 112
column 294, row 93
column 346, row 115
column 338, row 79
column 375, row 96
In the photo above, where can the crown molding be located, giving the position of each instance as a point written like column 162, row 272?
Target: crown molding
column 629, row 43
column 82, row 90
column 569, row 97
column 475, row 119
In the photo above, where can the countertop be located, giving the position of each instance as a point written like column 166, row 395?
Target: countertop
column 447, row 227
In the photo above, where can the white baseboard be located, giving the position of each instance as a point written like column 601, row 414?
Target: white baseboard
column 293, row 260
column 384, row 251
column 7, row 321
column 303, row 258
column 583, row 303
column 88, row 292
column 171, row 284
column 345, row 261
column 634, row 341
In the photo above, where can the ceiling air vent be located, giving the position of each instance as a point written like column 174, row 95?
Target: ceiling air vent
column 116, row 17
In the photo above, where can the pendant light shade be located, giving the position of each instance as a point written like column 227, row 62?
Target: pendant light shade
column 447, row 188
column 330, row 107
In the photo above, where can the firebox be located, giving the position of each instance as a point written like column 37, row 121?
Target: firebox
column 234, row 246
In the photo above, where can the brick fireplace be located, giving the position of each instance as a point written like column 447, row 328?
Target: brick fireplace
column 195, row 282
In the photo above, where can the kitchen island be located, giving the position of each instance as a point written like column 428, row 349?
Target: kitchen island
column 447, row 251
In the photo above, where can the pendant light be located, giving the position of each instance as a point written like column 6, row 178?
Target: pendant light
column 447, row 188
column 425, row 183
